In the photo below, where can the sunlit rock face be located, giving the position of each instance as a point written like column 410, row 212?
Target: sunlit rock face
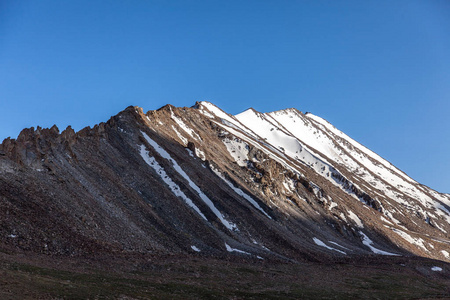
column 284, row 185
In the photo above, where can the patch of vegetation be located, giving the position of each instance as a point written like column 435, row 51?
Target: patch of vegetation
column 217, row 280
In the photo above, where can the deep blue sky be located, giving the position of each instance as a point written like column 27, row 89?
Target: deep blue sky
column 377, row 70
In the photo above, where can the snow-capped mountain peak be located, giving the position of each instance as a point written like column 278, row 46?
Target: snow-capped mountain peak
column 252, row 184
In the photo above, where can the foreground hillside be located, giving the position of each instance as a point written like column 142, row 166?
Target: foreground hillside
column 197, row 277
column 277, row 191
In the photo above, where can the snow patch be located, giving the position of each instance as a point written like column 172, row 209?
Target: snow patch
column 282, row 132
column 322, row 244
column 191, row 154
column 368, row 242
column 206, row 113
column 226, row 119
column 180, row 171
column 240, row 192
column 184, row 126
column 289, row 184
column 195, row 248
column 355, row 219
column 321, row 139
column 334, row 243
column 172, row 185
column 385, row 220
column 229, row 249
column 332, row 205
column 238, row 150
column 416, row 241
column 200, row 154
column 181, row 137
column 436, row 269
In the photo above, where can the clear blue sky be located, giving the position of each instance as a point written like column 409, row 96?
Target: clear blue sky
column 378, row 70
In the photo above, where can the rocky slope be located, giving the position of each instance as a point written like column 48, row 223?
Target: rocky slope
column 282, row 185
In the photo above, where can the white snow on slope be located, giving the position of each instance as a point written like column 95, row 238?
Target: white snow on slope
column 200, row 154
column 334, row 243
column 195, row 248
column 288, row 146
column 322, row 140
column 304, row 130
column 229, row 249
column 316, row 133
column 281, row 141
column 235, row 127
column 238, row 150
column 205, row 111
column 332, row 205
column 240, row 192
column 283, row 135
column 216, row 111
column 289, row 184
column 381, row 168
column 191, row 154
column 355, row 219
column 172, row 185
column 271, row 133
column 180, row 136
column 227, row 119
column 184, row 126
column 368, row 242
column 180, row 171
column 436, row 269
column 282, row 159
column 416, row 241
column 239, row 130
column 322, row 244
column 232, row 125
column 357, row 145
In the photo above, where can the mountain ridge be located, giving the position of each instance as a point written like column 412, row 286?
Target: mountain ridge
column 223, row 175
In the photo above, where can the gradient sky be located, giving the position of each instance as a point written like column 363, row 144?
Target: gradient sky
column 377, row 70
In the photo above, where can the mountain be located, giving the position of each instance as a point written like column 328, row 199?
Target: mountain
column 195, row 182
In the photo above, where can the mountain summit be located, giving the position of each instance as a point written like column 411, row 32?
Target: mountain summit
column 197, row 181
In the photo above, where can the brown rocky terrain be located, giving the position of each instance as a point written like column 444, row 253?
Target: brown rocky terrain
column 196, row 202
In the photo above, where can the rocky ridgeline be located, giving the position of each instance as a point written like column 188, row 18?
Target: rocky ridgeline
column 200, row 181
